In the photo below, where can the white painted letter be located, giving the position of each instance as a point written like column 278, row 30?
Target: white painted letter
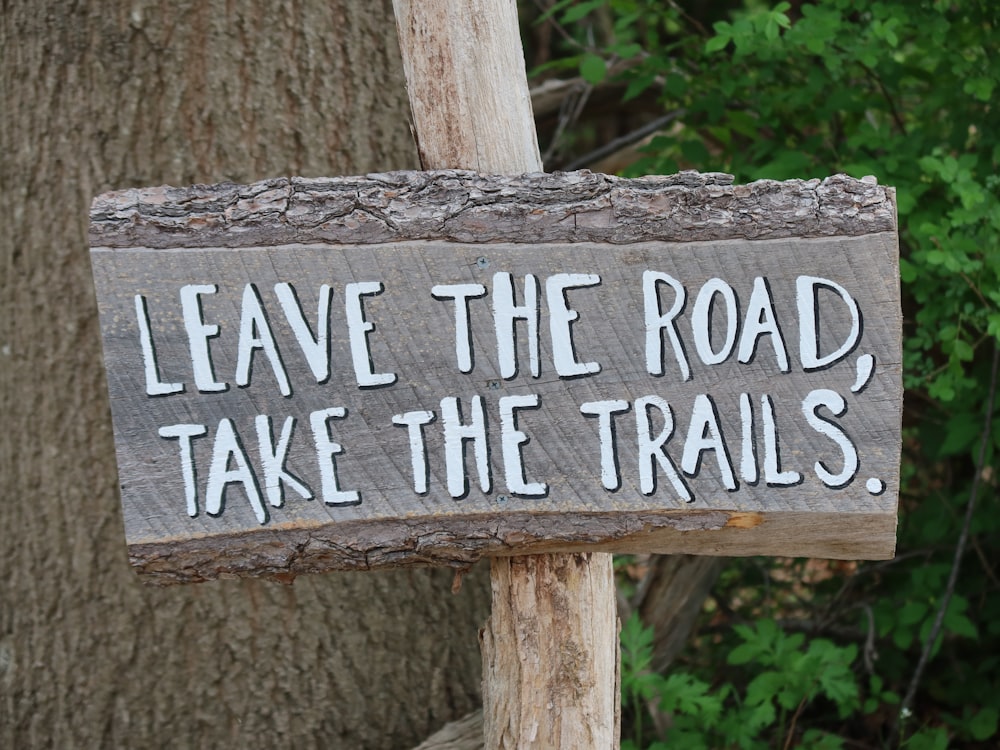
column 511, row 440
column 760, row 320
column 561, row 318
column 413, row 421
column 836, row 404
column 701, row 321
column 705, row 434
column 228, row 447
column 610, row 476
column 808, row 304
column 326, row 449
column 773, row 475
column 255, row 333
column 198, row 333
column 272, row 460
column 153, row 385
column 358, row 328
column 315, row 348
column 652, row 449
column 657, row 322
column 748, row 461
column 461, row 293
column 455, row 435
column 505, row 313
column 184, row 433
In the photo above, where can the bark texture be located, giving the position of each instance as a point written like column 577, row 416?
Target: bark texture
column 461, row 206
column 670, row 597
column 101, row 95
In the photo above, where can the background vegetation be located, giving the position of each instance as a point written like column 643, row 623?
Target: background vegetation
column 800, row 653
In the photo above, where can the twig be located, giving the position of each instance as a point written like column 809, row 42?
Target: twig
column 906, row 706
column 622, row 141
column 561, row 30
column 791, row 729
column 870, row 653
column 569, row 113
column 691, row 19
column 987, row 569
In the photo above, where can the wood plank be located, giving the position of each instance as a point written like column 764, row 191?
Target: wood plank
column 553, row 486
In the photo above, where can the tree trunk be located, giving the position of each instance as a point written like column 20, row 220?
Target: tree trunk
column 670, row 598
column 100, row 95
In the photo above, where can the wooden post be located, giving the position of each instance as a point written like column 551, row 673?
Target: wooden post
column 550, row 648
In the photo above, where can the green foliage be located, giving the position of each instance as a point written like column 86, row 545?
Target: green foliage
column 904, row 90
column 789, row 675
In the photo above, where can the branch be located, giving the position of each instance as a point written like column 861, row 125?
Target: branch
column 906, row 707
column 626, row 140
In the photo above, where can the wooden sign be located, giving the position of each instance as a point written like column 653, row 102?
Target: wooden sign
column 429, row 367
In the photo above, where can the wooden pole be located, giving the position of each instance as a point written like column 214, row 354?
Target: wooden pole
column 550, row 648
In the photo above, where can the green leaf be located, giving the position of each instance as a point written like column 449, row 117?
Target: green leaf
column 717, row 43
column 637, row 85
column 675, row 85
column 593, row 68
column 578, row 11
column 960, row 625
column 912, row 612
column 963, row 350
column 983, row 725
column 743, row 654
column 765, row 687
column 928, row 739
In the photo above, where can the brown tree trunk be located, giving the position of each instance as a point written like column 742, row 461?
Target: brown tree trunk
column 670, row 598
column 103, row 94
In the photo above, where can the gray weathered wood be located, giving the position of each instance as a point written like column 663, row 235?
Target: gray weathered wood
column 550, row 664
column 467, row 85
column 153, row 242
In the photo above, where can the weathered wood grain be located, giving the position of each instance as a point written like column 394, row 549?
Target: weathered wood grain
column 467, row 86
column 399, row 522
column 462, row 734
column 550, row 680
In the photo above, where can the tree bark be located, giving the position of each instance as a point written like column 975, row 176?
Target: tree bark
column 103, row 94
column 670, row 598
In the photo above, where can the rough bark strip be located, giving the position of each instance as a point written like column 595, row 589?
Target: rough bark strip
column 461, row 206
column 419, row 542
column 549, row 678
